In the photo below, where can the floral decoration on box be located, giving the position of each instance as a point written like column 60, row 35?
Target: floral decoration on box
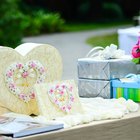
column 136, row 52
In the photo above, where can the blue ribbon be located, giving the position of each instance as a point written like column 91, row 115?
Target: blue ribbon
column 134, row 77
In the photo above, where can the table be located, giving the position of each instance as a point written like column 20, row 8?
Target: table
column 128, row 38
column 127, row 128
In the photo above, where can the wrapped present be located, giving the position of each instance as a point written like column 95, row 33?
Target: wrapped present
column 128, row 90
column 89, row 68
column 105, row 63
column 94, row 88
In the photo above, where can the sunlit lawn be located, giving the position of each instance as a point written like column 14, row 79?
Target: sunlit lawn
column 103, row 40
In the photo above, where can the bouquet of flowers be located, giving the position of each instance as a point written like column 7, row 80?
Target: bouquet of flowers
column 136, row 52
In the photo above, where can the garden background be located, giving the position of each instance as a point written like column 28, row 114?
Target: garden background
column 20, row 19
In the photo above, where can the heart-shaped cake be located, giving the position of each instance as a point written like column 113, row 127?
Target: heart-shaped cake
column 21, row 69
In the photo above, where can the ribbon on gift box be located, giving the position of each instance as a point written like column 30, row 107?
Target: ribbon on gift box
column 131, row 78
column 109, row 52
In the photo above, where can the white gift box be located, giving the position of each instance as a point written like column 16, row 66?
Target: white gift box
column 128, row 38
column 89, row 68
column 94, row 88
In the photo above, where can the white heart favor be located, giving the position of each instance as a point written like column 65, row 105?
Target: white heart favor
column 58, row 98
column 21, row 69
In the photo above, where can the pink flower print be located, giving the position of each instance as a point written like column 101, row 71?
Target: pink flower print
column 63, row 108
column 72, row 99
column 63, row 86
column 71, row 88
column 12, row 85
column 22, row 96
column 32, row 95
column 19, row 66
column 57, row 86
column 42, row 70
column 51, row 91
column 69, row 107
column 9, row 74
column 61, row 92
column 33, row 65
column 25, row 74
column 56, row 101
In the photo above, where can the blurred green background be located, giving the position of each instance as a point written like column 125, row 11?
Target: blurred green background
column 20, row 18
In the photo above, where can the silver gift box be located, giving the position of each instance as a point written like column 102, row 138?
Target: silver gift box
column 94, row 88
column 105, row 69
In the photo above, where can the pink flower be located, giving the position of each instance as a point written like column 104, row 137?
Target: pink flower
column 63, row 86
column 22, row 96
column 57, row 86
column 72, row 99
column 33, row 65
column 51, row 91
column 136, row 49
column 69, row 107
column 42, row 70
column 61, row 92
column 63, row 108
column 25, row 74
column 19, row 66
column 32, row 95
column 56, row 101
column 71, row 88
column 12, row 85
column 9, row 73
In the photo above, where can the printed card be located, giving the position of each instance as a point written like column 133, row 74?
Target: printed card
column 58, row 98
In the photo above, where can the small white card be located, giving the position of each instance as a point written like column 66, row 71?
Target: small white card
column 57, row 99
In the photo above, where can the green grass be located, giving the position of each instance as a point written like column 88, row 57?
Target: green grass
column 72, row 27
column 104, row 40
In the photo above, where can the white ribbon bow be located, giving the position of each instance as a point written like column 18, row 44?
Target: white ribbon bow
column 109, row 52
